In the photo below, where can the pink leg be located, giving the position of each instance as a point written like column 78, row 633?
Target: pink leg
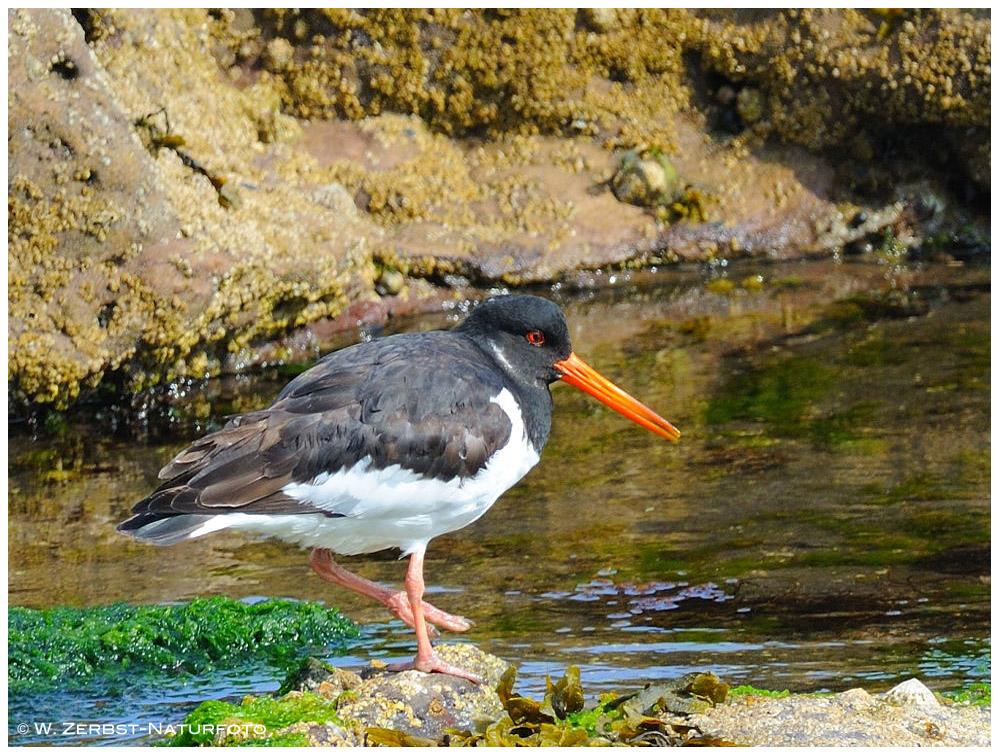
column 396, row 601
column 426, row 659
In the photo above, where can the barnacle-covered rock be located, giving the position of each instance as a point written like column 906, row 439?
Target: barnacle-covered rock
column 185, row 185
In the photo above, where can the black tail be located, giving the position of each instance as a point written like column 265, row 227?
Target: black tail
column 163, row 529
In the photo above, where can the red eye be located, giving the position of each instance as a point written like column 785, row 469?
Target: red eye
column 536, row 337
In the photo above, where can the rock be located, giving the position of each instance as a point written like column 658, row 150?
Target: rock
column 92, row 231
column 321, row 678
column 427, row 704
column 522, row 213
column 323, row 734
column 417, row 704
column 150, row 257
column 828, row 71
column 415, row 709
column 852, row 718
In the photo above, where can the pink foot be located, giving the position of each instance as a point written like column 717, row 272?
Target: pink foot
column 434, row 664
column 399, row 605
column 397, row 602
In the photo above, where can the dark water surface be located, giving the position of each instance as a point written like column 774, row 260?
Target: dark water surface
column 824, row 522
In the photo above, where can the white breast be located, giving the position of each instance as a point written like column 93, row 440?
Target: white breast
column 392, row 507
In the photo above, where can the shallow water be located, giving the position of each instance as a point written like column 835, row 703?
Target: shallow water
column 824, row 522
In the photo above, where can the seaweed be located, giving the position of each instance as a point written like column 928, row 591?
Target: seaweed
column 652, row 716
column 119, row 643
column 256, row 721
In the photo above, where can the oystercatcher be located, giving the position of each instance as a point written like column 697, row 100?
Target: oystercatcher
column 387, row 444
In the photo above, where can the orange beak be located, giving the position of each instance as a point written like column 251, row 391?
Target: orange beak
column 578, row 373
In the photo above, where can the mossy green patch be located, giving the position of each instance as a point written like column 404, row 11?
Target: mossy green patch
column 784, row 397
column 842, row 428
column 975, row 693
column 870, row 307
column 922, row 486
column 951, row 526
column 973, row 467
column 72, row 647
column 876, row 352
column 255, row 721
column 748, row 689
column 778, row 393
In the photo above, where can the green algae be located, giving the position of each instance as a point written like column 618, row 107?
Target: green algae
column 870, row 307
column 904, row 535
column 878, row 351
column 109, row 645
column 782, row 396
column 974, row 693
column 921, row 486
column 221, row 723
column 748, row 689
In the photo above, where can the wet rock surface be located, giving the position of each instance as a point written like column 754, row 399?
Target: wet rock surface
column 429, row 704
column 410, row 702
column 855, row 718
column 185, row 185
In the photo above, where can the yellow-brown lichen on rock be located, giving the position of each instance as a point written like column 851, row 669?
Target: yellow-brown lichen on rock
column 495, row 72
column 828, row 73
column 82, row 209
column 122, row 257
column 814, row 75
